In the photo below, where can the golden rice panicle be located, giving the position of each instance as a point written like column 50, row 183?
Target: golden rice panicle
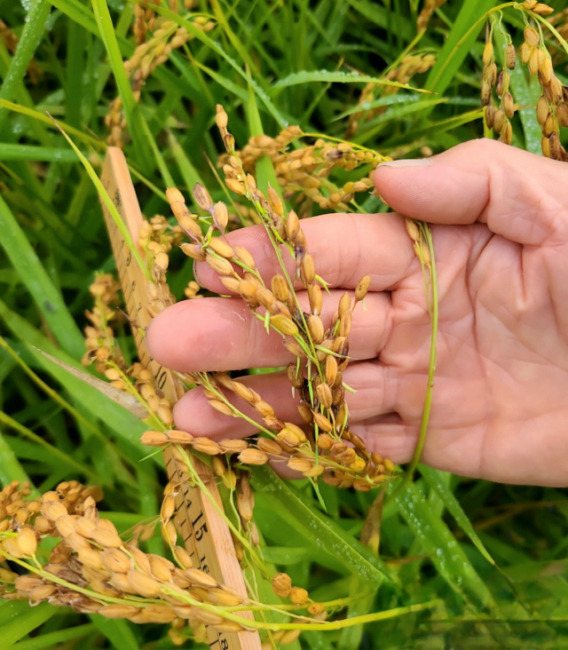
column 411, row 65
column 303, row 173
column 426, row 13
column 551, row 108
column 150, row 52
column 102, row 347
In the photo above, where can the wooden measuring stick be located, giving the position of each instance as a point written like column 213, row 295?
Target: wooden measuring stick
column 206, row 534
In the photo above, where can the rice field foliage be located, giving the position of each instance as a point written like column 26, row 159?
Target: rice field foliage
column 432, row 561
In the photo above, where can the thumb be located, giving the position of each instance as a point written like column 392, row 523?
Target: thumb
column 519, row 195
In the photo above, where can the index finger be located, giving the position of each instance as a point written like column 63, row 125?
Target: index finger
column 345, row 247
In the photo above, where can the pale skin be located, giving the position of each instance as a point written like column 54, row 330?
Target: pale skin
column 500, row 403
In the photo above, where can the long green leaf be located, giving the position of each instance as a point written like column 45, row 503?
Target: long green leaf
column 458, row 44
column 321, row 531
column 31, row 35
column 10, row 467
column 329, row 76
column 444, row 551
column 19, row 619
column 124, row 424
column 35, row 278
column 50, row 640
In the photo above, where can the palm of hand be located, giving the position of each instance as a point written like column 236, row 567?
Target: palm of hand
column 499, row 408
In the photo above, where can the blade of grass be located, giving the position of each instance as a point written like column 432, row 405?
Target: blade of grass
column 35, row 278
column 329, row 76
column 233, row 38
column 458, row 44
column 31, row 36
column 103, row 194
column 320, row 531
column 50, row 450
column 438, row 481
column 50, row 640
column 44, row 118
column 10, row 467
column 126, row 427
column 19, row 619
column 204, row 38
column 188, row 172
column 131, row 109
column 37, row 154
column 265, row 174
column 444, row 551
column 117, row 632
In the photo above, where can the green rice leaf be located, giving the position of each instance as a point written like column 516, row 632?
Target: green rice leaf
column 18, row 619
column 36, row 280
column 330, row 76
column 458, row 44
column 320, row 531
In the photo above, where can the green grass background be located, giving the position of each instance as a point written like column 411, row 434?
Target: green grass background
column 493, row 555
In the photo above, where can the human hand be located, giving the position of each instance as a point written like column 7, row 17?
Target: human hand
column 500, row 401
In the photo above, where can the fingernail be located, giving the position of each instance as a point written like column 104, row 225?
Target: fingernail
column 406, row 162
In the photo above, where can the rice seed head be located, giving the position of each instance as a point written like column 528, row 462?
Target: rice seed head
column 292, row 226
column 542, row 110
column 299, row 596
column 508, row 104
column 142, row 584
column 307, row 268
column 531, row 36
column 488, row 55
column 362, row 288
column 330, row 369
column 178, row 437
column 244, row 256
column 235, row 186
column 316, row 328
column 251, row 456
column 220, row 216
column 323, row 392
column 106, row 537
column 206, row 445
column 542, row 9
column 195, row 251
column 153, row 439
column 26, row 540
column 322, row 422
column 533, row 61
column 282, row 585
column 222, row 248
column 221, row 117
column 269, row 446
column 506, row 135
column 294, row 376
column 316, row 299
column 510, row 56
column 202, row 197
column 279, row 288
column 233, row 445
column 115, row 560
column 284, row 325
column 220, row 265
column 562, row 114
column 526, row 51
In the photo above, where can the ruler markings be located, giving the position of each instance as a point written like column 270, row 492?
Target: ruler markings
column 205, row 533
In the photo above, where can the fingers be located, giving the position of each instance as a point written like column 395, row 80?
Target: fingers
column 517, row 194
column 222, row 334
column 375, row 393
column 345, row 247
